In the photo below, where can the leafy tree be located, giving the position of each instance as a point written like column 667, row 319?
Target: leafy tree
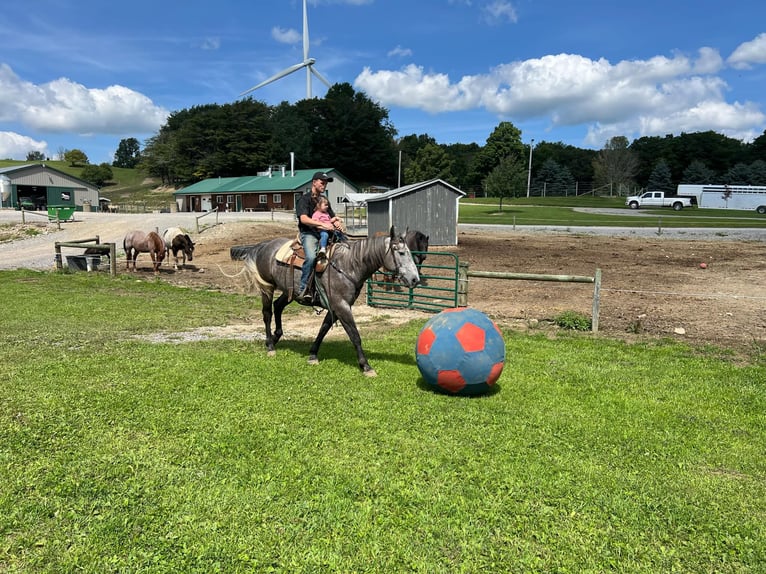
column 554, row 179
column 615, row 165
column 739, row 174
column 35, row 156
column 579, row 162
column 661, row 179
column 504, row 140
column 507, row 179
column 97, row 174
column 352, row 132
column 758, row 172
column 76, row 157
column 128, row 153
column 462, row 156
column 697, row 172
column 431, row 162
column 409, row 146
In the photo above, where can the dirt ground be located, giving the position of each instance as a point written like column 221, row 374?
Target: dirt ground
column 650, row 287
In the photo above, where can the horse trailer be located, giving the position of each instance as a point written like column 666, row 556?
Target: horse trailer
column 747, row 197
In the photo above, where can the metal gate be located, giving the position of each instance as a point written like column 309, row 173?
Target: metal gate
column 438, row 289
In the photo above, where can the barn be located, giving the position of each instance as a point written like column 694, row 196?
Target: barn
column 37, row 186
column 273, row 189
column 429, row 206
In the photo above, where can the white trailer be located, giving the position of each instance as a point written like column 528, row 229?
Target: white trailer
column 747, row 197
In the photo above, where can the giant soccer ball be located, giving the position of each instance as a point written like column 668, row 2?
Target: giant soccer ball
column 461, row 352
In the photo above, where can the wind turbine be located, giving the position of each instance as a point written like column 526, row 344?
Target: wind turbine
column 307, row 63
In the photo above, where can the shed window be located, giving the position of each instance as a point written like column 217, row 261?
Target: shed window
column 277, row 198
column 263, row 198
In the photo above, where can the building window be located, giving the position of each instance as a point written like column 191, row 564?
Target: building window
column 278, row 198
column 229, row 199
column 219, row 199
column 263, row 198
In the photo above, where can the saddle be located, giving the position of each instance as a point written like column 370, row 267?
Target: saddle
column 291, row 253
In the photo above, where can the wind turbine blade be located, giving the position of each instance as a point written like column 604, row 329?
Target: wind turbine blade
column 308, row 82
column 305, row 32
column 320, row 76
column 275, row 77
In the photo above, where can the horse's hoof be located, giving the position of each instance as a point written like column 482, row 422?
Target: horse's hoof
column 313, row 361
column 370, row 373
column 272, row 353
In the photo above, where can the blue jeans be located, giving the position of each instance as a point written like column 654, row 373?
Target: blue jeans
column 324, row 238
column 309, row 242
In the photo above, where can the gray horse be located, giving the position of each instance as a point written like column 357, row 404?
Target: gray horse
column 350, row 265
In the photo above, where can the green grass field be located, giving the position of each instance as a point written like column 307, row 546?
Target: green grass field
column 119, row 454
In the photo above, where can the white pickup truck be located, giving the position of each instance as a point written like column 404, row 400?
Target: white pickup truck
column 657, row 199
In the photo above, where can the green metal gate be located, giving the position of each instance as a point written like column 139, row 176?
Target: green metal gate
column 438, row 289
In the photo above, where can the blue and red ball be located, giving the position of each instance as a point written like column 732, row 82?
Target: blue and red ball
column 461, row 352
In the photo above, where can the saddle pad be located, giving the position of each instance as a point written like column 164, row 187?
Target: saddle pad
column 291, row 253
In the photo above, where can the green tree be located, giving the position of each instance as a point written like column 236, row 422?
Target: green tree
column 76, row 157
column 97, row 174
column 35, row 156
column 128, row 153
column 408, row 148
column 661, row 178
column 553, row 179
column 739, row 174
column 507, row 179
column 353, row 133
column 758, row 172
column 431, row 162
column 615, row 166
column 505, row 140
column 697, row 172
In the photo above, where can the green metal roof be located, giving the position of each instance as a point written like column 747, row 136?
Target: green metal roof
column 253, row 184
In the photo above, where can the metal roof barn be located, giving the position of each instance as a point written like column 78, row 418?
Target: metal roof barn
column 429, row 206
column 36, row 186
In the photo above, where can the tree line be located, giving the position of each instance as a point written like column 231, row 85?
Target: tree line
column 347, row 131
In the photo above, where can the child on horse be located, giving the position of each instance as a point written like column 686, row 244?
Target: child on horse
column 322, row 214
column 309, row 228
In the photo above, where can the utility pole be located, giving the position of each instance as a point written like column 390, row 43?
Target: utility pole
column 529, row 171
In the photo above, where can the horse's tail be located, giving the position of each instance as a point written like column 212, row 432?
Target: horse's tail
column 242, row 252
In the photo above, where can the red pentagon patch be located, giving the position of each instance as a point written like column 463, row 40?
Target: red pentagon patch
column 471, row 337
column 451, row 381
column 494, row 374
column 425, row 341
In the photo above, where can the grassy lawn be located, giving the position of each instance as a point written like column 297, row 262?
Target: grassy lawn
column 561, row 211
column 119, row 454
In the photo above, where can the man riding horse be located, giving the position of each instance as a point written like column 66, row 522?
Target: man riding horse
column 309, row 229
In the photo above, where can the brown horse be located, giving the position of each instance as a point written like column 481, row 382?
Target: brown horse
column 136, row 242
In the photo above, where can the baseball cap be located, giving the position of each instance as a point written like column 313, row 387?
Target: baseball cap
column 321, row 175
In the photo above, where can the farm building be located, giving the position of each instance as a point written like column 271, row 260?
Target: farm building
column 38, row 186
column 272, row 189
column 429, row 206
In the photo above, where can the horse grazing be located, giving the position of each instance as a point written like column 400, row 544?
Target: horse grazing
column 136, row 242
column 178, row 241
column 349, row 266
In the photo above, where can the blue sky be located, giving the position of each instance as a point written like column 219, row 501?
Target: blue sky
column 85, row 74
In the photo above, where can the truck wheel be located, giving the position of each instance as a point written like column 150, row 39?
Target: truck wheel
column 761, row 209
column 678, row 206
column 633, row 205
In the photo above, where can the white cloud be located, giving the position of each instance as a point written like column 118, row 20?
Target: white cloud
column 66, row 106
column 499, row 11
column 400, row 52
column 16, row 146
column 639, row 97
column 289, row 36
column 211, row 43
column 749, row 53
